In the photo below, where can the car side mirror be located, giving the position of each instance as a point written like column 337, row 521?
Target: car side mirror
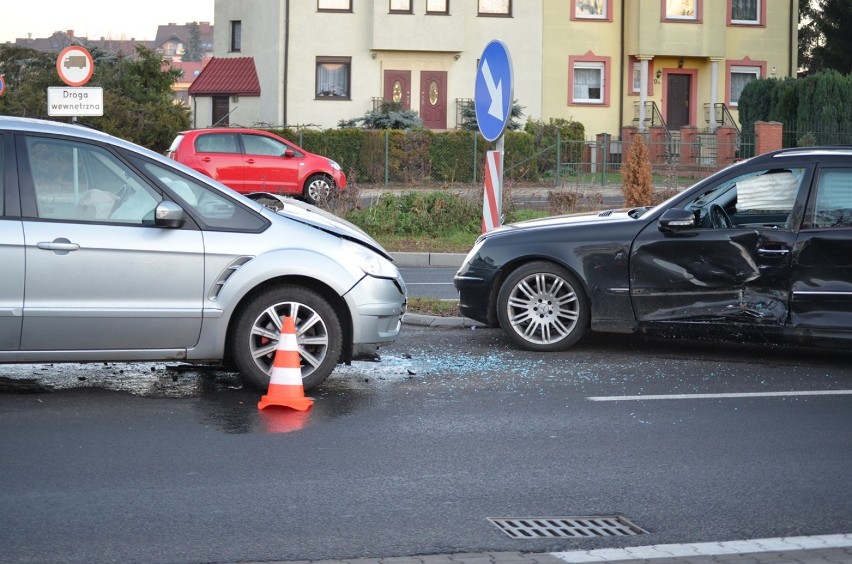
column 677, row 219
column 289, row 154
column 168, row 214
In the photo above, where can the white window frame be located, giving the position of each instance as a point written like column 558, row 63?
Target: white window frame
column 636, row 82
column 334, row 5
column 599, row 66
column 671, row 16
column 740, row 69
column 583, row 16
column 755, row 21
column 400, row 7
column 437, row 6
column 494, row 7
column 326, row 65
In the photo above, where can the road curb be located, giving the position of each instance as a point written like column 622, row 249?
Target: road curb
column 422, row 260
column 437, row 321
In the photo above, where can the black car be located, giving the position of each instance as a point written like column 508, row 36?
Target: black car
column 760, row 249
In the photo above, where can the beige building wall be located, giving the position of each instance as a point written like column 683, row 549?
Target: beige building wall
column 545, row 38
column 374, row 41
column 262, row 23
column 566, row 40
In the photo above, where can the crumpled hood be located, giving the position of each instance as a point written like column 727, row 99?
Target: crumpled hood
column 626, row 214
column 320, row 219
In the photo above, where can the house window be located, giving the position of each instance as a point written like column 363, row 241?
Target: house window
column 636, row 85
column 236, row 36
column 739, row 77
column 400, row 7
column 636, row 76
column 592, row 10
column 333, row 78
column 681, row 9
column 588, row 83
column 495, row 7
column 437, row 6
column 334, row 5
column 588, row 76
column 746, row 12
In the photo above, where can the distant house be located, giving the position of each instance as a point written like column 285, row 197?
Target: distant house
column 172, row 40
column 225, row 85
column 189, row 72
column 62, row 39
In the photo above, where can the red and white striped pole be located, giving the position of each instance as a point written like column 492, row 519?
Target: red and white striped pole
column 492, row 199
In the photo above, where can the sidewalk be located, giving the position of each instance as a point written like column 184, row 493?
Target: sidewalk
column 824, row 549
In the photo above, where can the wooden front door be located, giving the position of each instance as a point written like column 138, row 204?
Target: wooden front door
column 221, row 111
column 397, row 87
column 677, row 100
column 433, row 99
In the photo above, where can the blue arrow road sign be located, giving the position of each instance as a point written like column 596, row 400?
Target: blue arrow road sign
column 493, row 94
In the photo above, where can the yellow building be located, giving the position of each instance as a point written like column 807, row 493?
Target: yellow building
column 608, row 64
column 615, row 63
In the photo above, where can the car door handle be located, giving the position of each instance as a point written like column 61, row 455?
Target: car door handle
column 59, row 245
column 250, row 161
column 773, row 252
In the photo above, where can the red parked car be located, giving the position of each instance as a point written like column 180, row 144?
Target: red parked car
column 251, row 160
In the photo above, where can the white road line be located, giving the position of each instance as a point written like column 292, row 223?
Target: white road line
column 720, row 396
column 780, row 544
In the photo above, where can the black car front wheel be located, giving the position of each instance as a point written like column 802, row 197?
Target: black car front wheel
column 254, row 339
column 542, row 307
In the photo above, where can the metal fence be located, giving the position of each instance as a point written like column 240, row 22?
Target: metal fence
column 429, row 159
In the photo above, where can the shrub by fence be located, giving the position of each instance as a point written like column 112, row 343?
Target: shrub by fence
column 554, row 154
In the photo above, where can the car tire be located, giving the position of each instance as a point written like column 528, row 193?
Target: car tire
column 543, row 307
column 257, row 330
column 319, row 188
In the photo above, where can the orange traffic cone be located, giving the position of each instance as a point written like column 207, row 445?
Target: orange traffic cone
column 285, row 382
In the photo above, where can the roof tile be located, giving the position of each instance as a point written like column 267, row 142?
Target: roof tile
column 227, row 76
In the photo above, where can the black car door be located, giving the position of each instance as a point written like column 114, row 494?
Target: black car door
column 822, row 257
column 734, row 264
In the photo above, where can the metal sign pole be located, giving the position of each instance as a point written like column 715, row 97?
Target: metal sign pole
column 493, row 98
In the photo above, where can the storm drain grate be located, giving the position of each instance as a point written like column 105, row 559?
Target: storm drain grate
column 567, row 527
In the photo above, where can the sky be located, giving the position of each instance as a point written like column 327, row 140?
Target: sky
column 98, row 18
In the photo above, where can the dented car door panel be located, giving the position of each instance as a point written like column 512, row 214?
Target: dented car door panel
column 711, row 275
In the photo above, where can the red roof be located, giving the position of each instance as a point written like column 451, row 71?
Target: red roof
column 227, row 76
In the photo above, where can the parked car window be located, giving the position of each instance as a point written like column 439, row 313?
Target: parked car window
column 764, row 197
column 213, row 210
column 217, row 143
column 78, row 181
column 262, row 145
column 833, row 202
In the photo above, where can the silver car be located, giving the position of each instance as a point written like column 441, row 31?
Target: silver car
column 111, row 252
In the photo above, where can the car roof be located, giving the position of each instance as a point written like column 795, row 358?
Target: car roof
column 47, row 126
column 226, row 130
column 822, row 150
column 78, row 130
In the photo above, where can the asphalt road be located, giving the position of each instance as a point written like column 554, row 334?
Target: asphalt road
column 435, row 282
column 413, row 454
